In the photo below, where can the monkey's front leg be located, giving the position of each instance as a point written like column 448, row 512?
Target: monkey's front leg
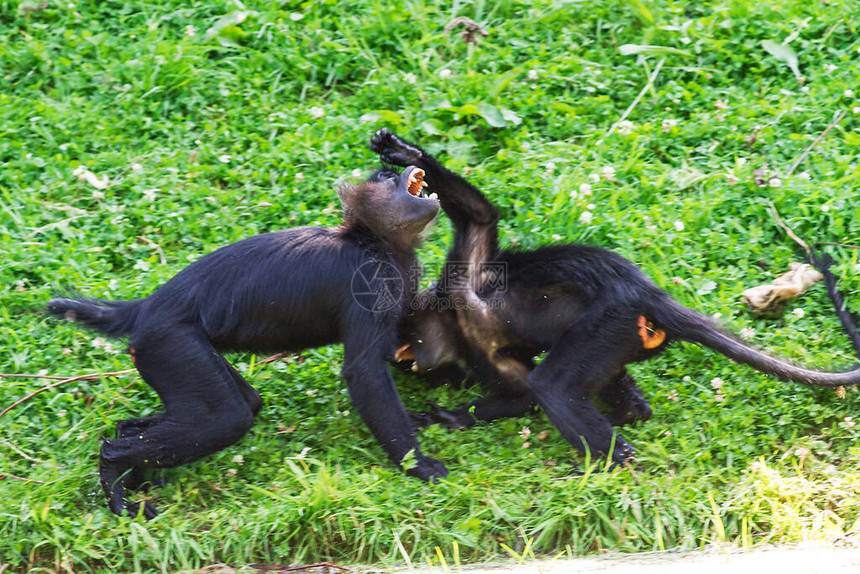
column 375, row 398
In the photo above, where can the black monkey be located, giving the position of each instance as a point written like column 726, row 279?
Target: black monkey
column 282, row 291
column 591, row 309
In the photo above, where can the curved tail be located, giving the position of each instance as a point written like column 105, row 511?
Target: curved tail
column 114, row 318
column 686, row 324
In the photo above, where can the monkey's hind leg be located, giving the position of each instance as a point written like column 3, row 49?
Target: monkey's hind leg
column 135, row 479
column 205, row 411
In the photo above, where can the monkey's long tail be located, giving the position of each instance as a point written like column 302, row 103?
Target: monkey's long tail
column 690, row 325
column 114, row 318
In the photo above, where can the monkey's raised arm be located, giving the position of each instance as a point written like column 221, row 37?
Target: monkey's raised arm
column 475, row 219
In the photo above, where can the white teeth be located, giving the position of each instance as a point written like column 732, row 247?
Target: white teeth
column 423, row 184
column 433, row 196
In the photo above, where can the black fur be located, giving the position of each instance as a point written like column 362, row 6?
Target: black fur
column 281, row 291
column 582, row 304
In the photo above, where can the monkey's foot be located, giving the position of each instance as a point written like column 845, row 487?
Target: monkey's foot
column 136, row 481
column 391, row 149
column 134, row 509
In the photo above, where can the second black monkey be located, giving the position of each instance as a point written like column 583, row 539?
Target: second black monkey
column 590, row 309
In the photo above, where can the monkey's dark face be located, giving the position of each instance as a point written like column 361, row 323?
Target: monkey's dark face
column 408, row 203
column 391, row 204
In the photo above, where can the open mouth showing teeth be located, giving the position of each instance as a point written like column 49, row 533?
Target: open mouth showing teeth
column 416, row 183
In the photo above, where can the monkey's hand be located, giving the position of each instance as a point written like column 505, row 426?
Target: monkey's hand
column 428, row 469
column 391, row 149
column 452, row 420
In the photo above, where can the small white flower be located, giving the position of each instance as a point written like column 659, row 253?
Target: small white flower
column 525, row 433
column 311, row 393
column 590, row 206
column 799, row 313
column 825, row 208
column 445, row 73
column 356, row 173
column 316, row 112
column 585, row 217
column 593, row 177
column 607, row 172
column 409, row 78
column 224, row 158
column 585, row 188
column 142, row 265
column 733, row 179
column 238, row 459
column 556, row 237
column 687, row 379
column 669, row 123
column 805, row 89
column 189, row 30
column 533, row 75
column 741, row 160
column 304, row 452
column 775, row 182
column 804, row 175
column 300, row 177
column 231, row 472
column 679, row 226
column 856, row 110
column 685, row 40
column 849, row 422
column 673, row 396
column 550, row 165
column 857, row 268
column 574, row 195
column 717, row 383
column 830, row 68
column 721, row 105
column 101, row 343
column 801, row 453
column 98, row 195
column 296, row 16
column 149, row 194
column 719, row 397
column 136, row 167
column 747, row 332
column 625, row 127
column 849, row 93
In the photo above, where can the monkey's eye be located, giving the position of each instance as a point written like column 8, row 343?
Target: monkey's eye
column 416, row 182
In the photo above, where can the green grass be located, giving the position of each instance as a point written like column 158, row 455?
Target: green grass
column 213, row 121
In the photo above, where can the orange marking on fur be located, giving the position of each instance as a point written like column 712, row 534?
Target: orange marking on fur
column 133, row 354
column 651, row 337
